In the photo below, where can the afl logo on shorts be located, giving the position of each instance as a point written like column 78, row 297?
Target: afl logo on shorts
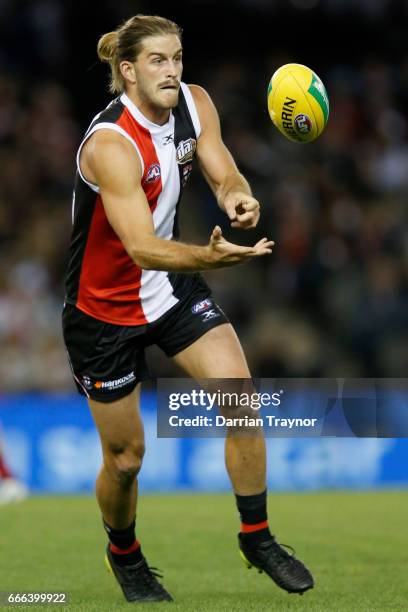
column 201, row 306
column 185, row 150
column 303, row 124
column 153, row 173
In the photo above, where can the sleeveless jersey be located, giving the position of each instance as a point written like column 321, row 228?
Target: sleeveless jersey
column 102, row 280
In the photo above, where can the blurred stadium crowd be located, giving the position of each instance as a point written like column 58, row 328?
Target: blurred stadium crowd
column 333, row 298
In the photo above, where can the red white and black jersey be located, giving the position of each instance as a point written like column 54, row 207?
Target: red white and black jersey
column 102, row 280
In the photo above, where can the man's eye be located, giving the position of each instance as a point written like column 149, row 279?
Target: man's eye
column 157, row 61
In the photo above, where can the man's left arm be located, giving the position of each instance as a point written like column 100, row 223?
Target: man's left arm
column 232, row 191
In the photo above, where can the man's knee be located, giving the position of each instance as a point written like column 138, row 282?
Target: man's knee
column 124, row 461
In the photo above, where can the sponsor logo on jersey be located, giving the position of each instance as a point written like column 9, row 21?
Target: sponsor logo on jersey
column 117, row 383
column 153, row 173
column 201, row 306
column 303, row 124
column 168, row 139
column 185, row 150
column 186, row 171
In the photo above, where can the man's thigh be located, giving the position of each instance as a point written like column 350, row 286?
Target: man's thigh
column 107, row 360
column 216, row 354
column 119, row 422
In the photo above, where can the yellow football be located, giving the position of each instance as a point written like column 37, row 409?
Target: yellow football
column 298, row 103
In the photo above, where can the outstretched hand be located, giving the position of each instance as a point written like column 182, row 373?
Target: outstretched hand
column 224, row 253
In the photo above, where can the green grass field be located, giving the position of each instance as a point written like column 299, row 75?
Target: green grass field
column 356, row 545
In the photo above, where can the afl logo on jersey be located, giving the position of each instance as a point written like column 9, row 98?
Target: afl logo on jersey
column 153, row 173
column 185, row 150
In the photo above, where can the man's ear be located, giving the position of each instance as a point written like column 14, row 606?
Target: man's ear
column 127, row 70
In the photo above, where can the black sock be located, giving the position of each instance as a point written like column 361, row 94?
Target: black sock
column 254, row 519
column 126, row 550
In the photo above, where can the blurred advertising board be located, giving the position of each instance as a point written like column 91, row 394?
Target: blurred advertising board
column 51, row 443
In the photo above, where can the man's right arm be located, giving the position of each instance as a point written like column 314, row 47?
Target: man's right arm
column 113, row 164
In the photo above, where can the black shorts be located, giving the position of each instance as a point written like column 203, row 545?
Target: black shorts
column 108, row 361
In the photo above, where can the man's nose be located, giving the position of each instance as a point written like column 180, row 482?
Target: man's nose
column 171, row 69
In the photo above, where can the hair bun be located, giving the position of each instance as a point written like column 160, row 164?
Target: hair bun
column 108, row 46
